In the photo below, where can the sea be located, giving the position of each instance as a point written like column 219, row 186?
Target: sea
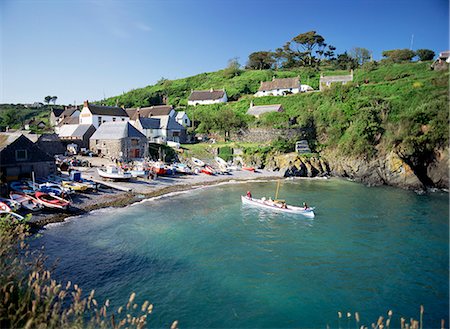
column 203, row 258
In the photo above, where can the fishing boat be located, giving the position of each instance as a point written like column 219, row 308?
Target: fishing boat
column 182, row 168
column 57, row 189
column 278, row 206
column 223, row 165
column 22, row 187
column 11, row 215
column 113, row 173
column 52, row 201
column 26, row 201
column 14, row 205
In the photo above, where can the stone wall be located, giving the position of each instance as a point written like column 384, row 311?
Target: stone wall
column 265, row 135
column 122, row 148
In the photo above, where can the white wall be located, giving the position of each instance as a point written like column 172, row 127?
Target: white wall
column 86, row 117
column 224, row 99
column 277, row 92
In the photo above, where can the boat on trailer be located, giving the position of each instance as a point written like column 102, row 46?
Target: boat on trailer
column 278, row 206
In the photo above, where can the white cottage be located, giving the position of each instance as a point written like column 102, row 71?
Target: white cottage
column 96, row 115
column 204, row 97
column 183, row 119
column 279, row 87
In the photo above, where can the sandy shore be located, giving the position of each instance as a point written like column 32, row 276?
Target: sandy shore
column 139, row 189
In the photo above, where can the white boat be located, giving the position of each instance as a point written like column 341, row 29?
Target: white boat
column 223, row 165
column 112, row 172
column 198, row 162
column 26, row 201
column 275, row 206
column 11, row 215
column 182, row 168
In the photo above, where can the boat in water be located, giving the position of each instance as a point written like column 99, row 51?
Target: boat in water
column 278, row 206
column 113, row 173
column 26, row 201
column 52, row 201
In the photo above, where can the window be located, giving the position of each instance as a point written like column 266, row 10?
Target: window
column 99, row 121
column 134, row 142
column 123, row 119
column 21, row 155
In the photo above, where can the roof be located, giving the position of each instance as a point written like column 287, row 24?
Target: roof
column 33, row 121
column 151, row 111
column 203, row 95
column 116, row 130
column 74, row 130
column 180, row 114
column 171, row 124
column 57, row 112
column 69, row 121
column 337, row 78
column 261, row 109
column 444, row 54
column 7, row 138
column 68, row 112
column 285, row 83
column 150, row 123
column 107, row 110
column 35, row 154
column 51, row 144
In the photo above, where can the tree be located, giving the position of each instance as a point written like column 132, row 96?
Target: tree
column 399, row 55
column 308, row 42
column 54, row 98
column 260, row 60
column 233, row 68
column 47, row 99
column 425, row 54
column 227, row 120
column 361, row 55
column 345, row 62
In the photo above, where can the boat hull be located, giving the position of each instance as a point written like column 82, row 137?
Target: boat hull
column 114, row 176
column 27, row 202
column 308, row 212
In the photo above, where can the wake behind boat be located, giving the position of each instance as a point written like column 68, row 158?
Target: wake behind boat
column 276, row 206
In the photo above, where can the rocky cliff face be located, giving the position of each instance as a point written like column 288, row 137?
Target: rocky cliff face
column 388, row 169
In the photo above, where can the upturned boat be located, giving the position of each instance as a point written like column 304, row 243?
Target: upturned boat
column 113, row 173
column 252, row 169
column 26, row 201
column 52, row 201
column 278, row 206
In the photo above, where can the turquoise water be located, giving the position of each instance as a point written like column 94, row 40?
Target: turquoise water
column 204, row 259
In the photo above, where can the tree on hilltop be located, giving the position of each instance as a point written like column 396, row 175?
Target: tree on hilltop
column 233, row 68
column 425, row 54
column 47, row 99
column 260, row 60
column 53, row 99
column 399, row 55
column 361, row 55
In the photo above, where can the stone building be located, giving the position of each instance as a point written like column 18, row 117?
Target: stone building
column 326, row 82
column 259, row 110
column 119, row 139
column 21, row 158
column 76, row 134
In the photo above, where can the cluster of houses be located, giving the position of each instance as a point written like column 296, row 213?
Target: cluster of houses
column 116, row 132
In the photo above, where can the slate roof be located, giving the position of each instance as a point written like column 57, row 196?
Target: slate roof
column 203, row 95
column 35, row 154
column 68, row 112
column 150, row 123
column 336, row 78
column 69, row 121
column 180, row 114
column 51, row 144
column 107, row 110
column 285, row 83
column 151, row 111
column 57, row 112
column 261, row 109
column 116, row 130
column 74, row 130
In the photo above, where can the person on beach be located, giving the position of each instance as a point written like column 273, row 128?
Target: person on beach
column 305, row 205
column 249, row 194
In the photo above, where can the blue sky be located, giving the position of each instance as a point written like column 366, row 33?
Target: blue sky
column 81, row 50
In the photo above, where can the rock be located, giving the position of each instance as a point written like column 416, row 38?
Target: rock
column 438, row 170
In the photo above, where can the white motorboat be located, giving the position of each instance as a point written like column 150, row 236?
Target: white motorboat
column 278, row 206
column 113, row 173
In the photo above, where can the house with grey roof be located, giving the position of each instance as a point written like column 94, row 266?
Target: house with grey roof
column 161, row 129
column 58, row 115
column 76, row 134
column 150, row 111
column 54, row 115
column 51, row 144
column 259, row 110
column 96, row 115
column 279, row 87
column 204, row 97
column 183, row 119
column 20, row 157
column 119, row 139
column 326, row 82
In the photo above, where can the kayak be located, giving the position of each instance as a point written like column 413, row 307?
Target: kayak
column 269, row 204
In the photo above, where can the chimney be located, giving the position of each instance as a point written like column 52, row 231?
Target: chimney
column 138, row 113
column 211, row 90
column 86, row 103
column 251, row 104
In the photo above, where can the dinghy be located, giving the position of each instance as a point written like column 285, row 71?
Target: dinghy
column 74, row 186
column 208, row 170
column 198, row 162
column 182, row 168
column 278, row 206
column 14, row 205
column 113, row 173
column 26, row 201
column 22, row 187
column 4, row 207
column 252, row 169
column 52, row 201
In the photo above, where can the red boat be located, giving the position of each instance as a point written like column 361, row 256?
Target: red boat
column 249, row 168
column 52, row 201
column 4, row 207
column 207, row 170
column 159, row 169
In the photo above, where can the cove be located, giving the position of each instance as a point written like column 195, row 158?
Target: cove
column 204, row 259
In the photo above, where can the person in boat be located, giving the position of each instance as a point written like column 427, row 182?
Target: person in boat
column 249, row 194
column 305, row 205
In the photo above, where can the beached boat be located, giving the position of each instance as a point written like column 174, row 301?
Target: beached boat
column 248, row 168
column 22, row 186
column 10, row 215
column 208, row 170
column 4, row 207
column 223, row 165
column 26, row 201
column 113, row 173
column 278, row 206
column 13, row 205
column 182, row 168
column 75, row 186
column 57, row 189
column 159, row 168
column 52, row 201
column 197, row 162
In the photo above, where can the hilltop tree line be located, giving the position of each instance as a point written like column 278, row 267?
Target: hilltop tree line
column 310, row 50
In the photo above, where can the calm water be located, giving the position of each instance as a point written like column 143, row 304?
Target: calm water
column 206, row 260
